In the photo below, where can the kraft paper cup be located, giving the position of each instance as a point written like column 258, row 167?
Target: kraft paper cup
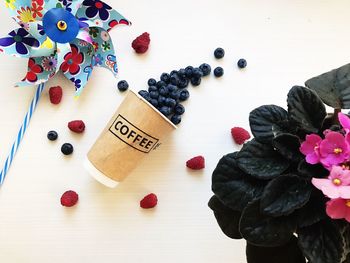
column 134, row 132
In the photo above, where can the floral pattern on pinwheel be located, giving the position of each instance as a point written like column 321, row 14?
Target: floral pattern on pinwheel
column 22, row 41
column 74, row 50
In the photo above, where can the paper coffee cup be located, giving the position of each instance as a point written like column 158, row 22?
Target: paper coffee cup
column 134, row 132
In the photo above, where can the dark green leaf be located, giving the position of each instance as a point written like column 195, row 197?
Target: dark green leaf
column 284, row 194
column 288, row 253
column 314, row 211
column 232, row 186
column 263, row 230
column 261, row 160
column 321, row 242
column 306, row 109
column 267, row 121
column 227, row 218
column 309, row 171
column 333, row 87
column 288, row 146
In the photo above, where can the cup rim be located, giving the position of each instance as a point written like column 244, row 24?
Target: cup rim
column 153, row 108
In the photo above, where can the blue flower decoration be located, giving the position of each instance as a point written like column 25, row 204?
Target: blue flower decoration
column 21, row 39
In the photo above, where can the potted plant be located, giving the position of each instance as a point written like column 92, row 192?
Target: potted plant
column 287, row 191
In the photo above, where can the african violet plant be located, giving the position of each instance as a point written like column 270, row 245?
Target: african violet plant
column 287, row 191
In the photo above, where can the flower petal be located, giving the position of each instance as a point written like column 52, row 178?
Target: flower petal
column 327, row 187
column 336, row 209
column 344, row 192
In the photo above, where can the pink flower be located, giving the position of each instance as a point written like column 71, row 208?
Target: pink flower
column 333, row 149
column 310, row 148
column 344, row 121
column 337, row 185
column 338, row 209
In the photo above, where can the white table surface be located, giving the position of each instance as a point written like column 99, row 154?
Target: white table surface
column 285, row 42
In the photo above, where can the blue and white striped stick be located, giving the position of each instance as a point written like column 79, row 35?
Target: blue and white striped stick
column 21, row 132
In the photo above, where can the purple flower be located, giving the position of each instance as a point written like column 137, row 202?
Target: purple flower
column 310, row 148
column 333, row 149
column 21, row 38
column 97, row 7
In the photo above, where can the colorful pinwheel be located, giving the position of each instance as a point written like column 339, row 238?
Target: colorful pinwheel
column 67, row 35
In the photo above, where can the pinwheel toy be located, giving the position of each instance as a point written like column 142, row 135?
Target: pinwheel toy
column 59, row 35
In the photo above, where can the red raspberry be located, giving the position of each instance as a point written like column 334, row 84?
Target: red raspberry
column 141, row 43
column 149, row 201
column 196, row 163
column 56, row 94
column 77, row 126
column 69, row 199
column 240, row 135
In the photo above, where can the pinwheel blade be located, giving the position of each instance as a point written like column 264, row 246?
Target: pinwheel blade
column 104, row 50
column 63, row 50
column 40, row 70
column 100, row 14
column 77, row 65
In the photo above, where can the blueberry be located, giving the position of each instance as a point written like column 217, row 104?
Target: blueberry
column 197, row 73
column 206, row 69
column 160, row 84
column 154, row 94
column 165, row 110
column 52, row 135
column 189, row 71
column 67, row 149
column 123, row 85
column 176, row 119
column 161, row 101
column 163, row 91
column 196, row 81
column 183, row 83
column 184, row 95
column 170, row 102
column 219, row 53
column 171, row 88
column 152, row 82
column 144, row 94
column 182, row 73
column 154, row 102
column 174, row 95
column 174, row 72
column 165, row 77
column 242, row 63
column 218, row 72
column 174, row 80
column 152, row 88
column 179, row 109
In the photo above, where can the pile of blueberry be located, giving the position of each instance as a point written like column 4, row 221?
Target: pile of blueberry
column 170, row 91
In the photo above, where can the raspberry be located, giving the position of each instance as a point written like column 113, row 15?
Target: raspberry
column 69, row 199
column 141, row 43
column 56, row 94
column 196, row 163
column 149, row 201
column 240, row 135
column 77, row 126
